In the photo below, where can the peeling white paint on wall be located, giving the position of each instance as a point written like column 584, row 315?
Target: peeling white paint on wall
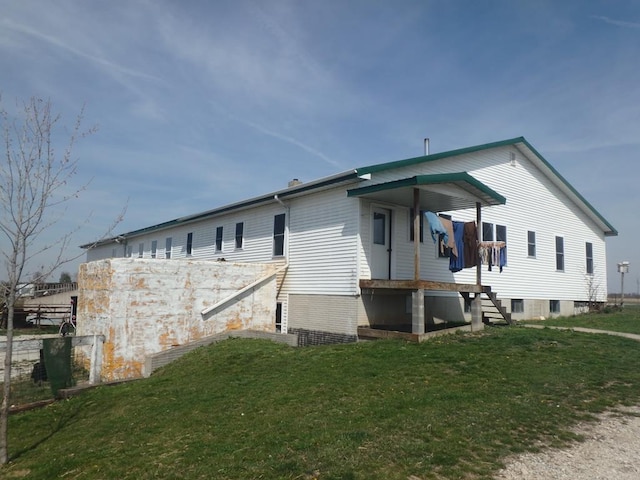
column 145, row 306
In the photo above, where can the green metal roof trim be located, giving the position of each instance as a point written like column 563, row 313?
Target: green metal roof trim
column 303, row 187
column 381, row 167
column 490, row 196
column 486, row 146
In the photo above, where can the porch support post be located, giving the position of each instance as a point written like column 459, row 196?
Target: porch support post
column 476, row 313
column 476, row 304
column 479, row 233
column 416, row 234
column 417, row 311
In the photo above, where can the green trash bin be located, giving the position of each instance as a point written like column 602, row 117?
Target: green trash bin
column 57, row 360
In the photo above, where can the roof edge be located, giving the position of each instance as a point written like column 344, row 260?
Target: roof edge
column 381, row 167
column 612, row 230
column 286, row 192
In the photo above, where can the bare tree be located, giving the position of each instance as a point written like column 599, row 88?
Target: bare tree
column 593, row 287
column 35, row 186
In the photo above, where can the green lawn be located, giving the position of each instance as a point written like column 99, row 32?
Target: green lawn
column 627, row 321
column 450, row 408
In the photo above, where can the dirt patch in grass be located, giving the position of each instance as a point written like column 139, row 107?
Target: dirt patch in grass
column 610, row 448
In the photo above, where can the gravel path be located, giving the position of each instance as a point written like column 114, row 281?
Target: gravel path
column 611, row 450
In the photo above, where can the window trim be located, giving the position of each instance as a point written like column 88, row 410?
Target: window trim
column 487, row 231
column 168, row 246
column 239, row 237
column 560, row 254
column 531, row 245
column 279, row 229
column 189, row 246
column 517, row 305
column 219, row 238
column 588, row 247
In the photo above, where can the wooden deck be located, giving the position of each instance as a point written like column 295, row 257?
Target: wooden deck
column 368, row 333
column 423, row 285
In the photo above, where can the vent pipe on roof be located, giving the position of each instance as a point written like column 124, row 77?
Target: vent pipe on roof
column 426, row 146
column 294, row 182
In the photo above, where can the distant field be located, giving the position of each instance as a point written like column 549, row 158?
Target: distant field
column 626, row 321
column 615, row 300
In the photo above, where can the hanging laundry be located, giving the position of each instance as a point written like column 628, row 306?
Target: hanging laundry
column 456, row 263
column 470, row 244
column 436, row 227
column 493, row 254
column 448, row 226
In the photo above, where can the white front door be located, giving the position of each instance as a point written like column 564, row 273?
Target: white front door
column 381, row 244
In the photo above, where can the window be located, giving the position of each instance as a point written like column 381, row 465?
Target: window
column 589, row 255
column 140, row 250
column 218, row 239
column 239, row 234
column 167, row 247
column 113, row 252
column 278, row 235
column 560, row 254
column 501, row 236
column 411, row 226
column 487, row 232
column 467, row 306
column 189, row 243
column 531, row 243
column 517, row 305
column 279, row 317
column 554, row 306
column 129, row 251
column 379, row 228
column 154, row 248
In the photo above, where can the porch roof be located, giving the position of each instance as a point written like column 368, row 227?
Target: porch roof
column 438, row 192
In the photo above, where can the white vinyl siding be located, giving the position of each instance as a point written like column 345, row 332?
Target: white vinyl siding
column 535, row 204
column 323, row 244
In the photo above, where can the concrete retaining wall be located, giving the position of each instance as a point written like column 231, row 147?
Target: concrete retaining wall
column 143, row 307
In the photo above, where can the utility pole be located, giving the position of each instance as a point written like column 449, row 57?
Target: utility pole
column 623, row 267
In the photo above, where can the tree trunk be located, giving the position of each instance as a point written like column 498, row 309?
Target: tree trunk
column 6, row 391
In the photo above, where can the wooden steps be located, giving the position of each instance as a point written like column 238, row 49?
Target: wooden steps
column 492, row 309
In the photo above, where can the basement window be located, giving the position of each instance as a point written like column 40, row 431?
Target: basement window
column 554, row 306
column 517, row 305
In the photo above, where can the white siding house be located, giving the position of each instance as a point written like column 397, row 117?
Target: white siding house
column 351, row 261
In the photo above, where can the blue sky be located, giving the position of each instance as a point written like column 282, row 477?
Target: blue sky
column 203, row 103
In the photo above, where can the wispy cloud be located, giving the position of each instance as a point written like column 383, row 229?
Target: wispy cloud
column 291, row 140
column 57, row 42
column 619, row 23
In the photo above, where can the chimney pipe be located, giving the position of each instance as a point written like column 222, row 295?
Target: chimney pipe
column 426, row 146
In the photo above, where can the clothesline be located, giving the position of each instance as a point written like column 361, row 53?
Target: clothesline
column 461, row 238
